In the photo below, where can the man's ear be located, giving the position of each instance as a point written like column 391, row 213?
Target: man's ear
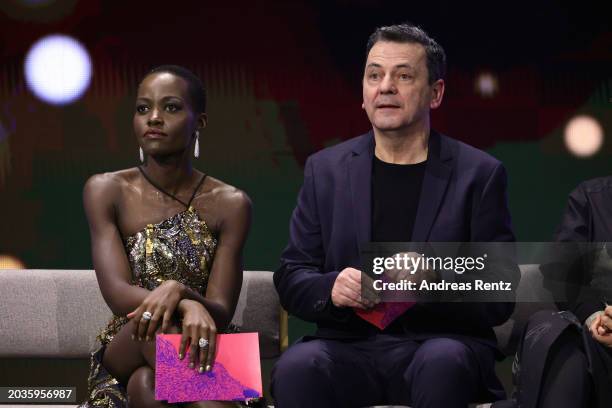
column 437, row 94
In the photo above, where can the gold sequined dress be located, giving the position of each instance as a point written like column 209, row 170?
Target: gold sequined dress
column 179, row 248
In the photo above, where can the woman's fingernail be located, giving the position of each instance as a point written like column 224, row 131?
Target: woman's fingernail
column 148, row 338
column 208, row 367
column 133, row 337
column 191, row 365
column 201, row 369
column 181, row 356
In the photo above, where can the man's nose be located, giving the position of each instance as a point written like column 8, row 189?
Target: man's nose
column 387, row 85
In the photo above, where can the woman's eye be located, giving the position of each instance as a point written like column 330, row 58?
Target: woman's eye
column 142, row 108
column 172, row 107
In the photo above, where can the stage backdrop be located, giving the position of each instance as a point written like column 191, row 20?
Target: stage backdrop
column 283, row 81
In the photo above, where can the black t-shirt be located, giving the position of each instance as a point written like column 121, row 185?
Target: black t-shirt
column 396, row 189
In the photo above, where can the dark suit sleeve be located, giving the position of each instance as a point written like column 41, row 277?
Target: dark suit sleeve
column 575, row 227
column 491, row 222
column 303, row 287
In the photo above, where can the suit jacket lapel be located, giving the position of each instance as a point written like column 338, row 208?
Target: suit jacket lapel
column 360, row 181
column 438, row 172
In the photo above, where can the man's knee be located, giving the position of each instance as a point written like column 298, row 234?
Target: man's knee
column 446, row 356
column 303, row 369
column 303, row 359
column 307, row 376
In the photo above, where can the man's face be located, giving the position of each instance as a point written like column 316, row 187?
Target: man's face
column 396, row 91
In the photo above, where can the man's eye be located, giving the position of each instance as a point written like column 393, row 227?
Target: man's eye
column 373, row 75
column 405, row 76
column 142, row 108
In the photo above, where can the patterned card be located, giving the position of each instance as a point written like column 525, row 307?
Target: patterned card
column 236, row 373
column 384, row 313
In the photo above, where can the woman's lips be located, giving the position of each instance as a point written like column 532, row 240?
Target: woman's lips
column 154, row 135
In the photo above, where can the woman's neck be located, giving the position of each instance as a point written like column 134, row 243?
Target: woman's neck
column 171, row 175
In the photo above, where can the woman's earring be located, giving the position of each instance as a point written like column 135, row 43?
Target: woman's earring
column 141, row 155
column 196, row 149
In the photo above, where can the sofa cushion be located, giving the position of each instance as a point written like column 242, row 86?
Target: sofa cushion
column 50, row 313
column 258, row 310
column 58, row 313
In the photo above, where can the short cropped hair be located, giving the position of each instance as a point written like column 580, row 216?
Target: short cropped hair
column 408, row 33
column 195, row 87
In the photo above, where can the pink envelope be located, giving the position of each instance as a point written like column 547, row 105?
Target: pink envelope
column 384, row 313
column 236, row 374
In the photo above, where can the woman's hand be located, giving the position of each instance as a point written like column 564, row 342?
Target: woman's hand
column 197, row 325
column 161, row 304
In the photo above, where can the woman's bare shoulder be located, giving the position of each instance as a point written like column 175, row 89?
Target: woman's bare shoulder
column 110, row 184
column 225, row 194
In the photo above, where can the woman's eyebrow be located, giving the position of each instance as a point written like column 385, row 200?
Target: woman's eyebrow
column 164, row 98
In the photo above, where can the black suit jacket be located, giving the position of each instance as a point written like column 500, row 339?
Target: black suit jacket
column 587, row 218
column 463, row 198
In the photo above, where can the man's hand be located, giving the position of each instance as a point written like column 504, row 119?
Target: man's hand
column 600, row 328
column 347, row 290
column 409, row 272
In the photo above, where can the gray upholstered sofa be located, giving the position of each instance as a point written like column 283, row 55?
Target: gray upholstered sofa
column 49, row 320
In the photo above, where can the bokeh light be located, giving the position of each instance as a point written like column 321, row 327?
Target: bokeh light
column 10, row 262
column 486, row 85
column 583, row 136
column 58, row 69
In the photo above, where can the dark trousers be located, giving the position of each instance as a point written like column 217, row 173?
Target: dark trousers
column 560, row 365
column 567, row 382
column 385, row 369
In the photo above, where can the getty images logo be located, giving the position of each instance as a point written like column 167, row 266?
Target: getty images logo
column 412, row 262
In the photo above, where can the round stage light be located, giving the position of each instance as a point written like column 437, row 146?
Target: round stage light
column 486, row 85
column 583, row 136
column 58, row 69
column 10, row 262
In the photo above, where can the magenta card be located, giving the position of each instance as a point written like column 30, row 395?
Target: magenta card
column 384, row 313
column 236, row 374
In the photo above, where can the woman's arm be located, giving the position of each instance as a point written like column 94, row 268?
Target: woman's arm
column 226, row 273
column 112, row 266
column 109, row 258
column 224, row 282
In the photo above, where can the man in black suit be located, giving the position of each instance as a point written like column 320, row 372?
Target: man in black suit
column 574, row 370
column 400, row 182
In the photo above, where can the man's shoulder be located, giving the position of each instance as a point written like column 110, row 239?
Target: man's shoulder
column 596, row 185
column 337, row 153
column 470, row 155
